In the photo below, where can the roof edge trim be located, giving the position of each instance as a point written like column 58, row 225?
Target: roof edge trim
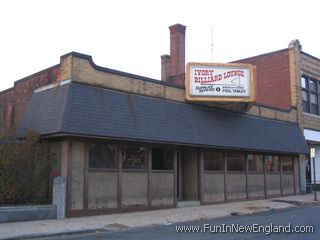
column 52, row 85
column 65, row 134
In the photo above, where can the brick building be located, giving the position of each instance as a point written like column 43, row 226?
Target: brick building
column 126, row 142
column 309, row 120
column 288, row 80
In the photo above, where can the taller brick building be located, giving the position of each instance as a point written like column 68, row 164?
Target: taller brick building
column 128, row 142
column 288, row 80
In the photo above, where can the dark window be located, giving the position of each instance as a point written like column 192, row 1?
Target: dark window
column 162, row 159
column 213, row 160
column 310, row 95
column 312, row 85
column 305, row 96
column 305, row 101
column 235, row 162
column 255, row 163
column 272, row 163
column 314, row 104
column 134, row 157
column 286, row 164
column 103, row 155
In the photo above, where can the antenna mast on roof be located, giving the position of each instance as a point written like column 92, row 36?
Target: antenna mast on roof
column 211, row 44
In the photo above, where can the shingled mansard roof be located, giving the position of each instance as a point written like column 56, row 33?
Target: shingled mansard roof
column 76, row 109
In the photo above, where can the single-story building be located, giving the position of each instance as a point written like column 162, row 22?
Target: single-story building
column 126, row 142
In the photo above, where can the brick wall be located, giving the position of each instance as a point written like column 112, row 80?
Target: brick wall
column 14, row 101
column 310, row 66
column 310, row 121
column 273, row 78
column 6, row 108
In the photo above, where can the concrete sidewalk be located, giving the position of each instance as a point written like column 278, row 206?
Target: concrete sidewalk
column 121, row 221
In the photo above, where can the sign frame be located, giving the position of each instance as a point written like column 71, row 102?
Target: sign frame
column 246, row 99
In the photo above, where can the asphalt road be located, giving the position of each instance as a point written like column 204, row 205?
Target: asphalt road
column 293, row 219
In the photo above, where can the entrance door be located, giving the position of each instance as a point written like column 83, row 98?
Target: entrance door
column 179, row 179
column 190, row 174
column 187, row 175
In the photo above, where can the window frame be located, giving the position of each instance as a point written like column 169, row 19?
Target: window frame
column 244, row 155
column 146, row 157
column 278, row 170
column 116, row 160
column 262, row 158
column 291, row 159
column 308, row 106
column 164, row 150
column 214, row 151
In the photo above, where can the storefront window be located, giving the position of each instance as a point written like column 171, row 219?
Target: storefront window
column 213, row 160
column 162, row 159
column 134, row 157
column 103, row 155
column 255, row 163
column 287, row 164
column 272, row 163
column 236, row 162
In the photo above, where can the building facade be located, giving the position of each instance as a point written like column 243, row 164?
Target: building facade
column 126, row 142
column 309, row 111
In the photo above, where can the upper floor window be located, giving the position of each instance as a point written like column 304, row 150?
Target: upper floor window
column 310, row 95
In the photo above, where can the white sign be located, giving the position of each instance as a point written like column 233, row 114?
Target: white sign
column 312, row 152
column 219, row 80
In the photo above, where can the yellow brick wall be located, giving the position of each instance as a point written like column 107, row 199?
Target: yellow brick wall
column 294, row 73
column 311, row 121
column 66, row 67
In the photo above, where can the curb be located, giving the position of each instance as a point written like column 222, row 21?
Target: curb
column 58, row 234
column 297, row 203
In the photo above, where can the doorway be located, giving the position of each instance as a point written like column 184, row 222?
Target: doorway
column 187, row 175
